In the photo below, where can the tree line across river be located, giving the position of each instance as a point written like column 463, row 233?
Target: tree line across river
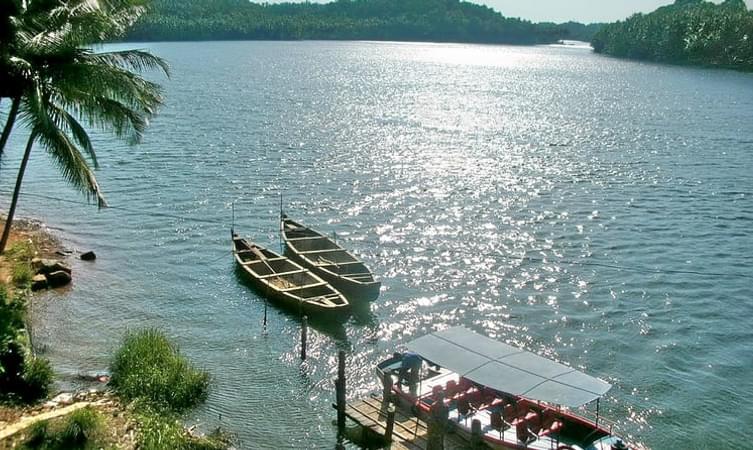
column 686, row 32
column 405, row 20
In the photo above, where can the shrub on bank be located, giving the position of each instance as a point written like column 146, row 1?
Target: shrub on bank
column 24, row 378
column 82, row 429
column 158, row 431
column 150, row 368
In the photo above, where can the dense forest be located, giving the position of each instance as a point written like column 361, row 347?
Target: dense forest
column 687, row 32
column 404, row 20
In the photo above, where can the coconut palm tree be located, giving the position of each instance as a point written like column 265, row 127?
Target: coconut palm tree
column 58, row 82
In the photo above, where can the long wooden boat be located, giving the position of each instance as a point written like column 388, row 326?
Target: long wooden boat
column 329, row 260
column 522, row 400
column 285, row 282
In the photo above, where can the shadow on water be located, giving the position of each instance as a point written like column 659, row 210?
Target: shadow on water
column 330, row 326
column 362, row 314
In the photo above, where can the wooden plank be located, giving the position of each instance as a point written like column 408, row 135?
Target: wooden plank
column 330, row 263
column 268, row 259
column 409, row 432
column 329, row 250
column 307, row 238
column 303, row 287
column 271, row 275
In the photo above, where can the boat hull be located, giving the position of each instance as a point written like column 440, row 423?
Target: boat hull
column 286, row 283
column 329, row 260
column 363, row 292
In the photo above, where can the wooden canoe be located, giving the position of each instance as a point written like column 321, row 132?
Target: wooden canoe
column 285, row 282
column 326, row 258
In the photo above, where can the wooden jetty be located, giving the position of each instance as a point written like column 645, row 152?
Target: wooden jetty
column 408, row 433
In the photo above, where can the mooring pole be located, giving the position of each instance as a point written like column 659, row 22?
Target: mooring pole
column 340, row 391
column 477, row 442
column 439, row 414
column 304, row 336
column 390, row 423
column 264, row 331
column 386, row 388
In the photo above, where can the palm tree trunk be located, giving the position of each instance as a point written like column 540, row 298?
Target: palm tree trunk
column 9, row 123
column 16, row 192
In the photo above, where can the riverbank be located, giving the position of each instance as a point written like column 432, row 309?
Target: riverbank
column 104, row 417
column 46, row 245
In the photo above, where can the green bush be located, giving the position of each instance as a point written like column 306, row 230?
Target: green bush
column 37, row 378
column 37, row 434
column 82, row 429
column 161, row 431
column 148, row 367
column 22, row 275
column 20, row 251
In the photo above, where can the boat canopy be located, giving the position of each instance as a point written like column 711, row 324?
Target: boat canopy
column 508, row 369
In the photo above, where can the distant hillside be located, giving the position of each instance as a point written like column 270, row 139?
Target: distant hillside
column 687, row 32
column 404, row 20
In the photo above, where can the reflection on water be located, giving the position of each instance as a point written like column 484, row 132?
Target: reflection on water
column 573, row 205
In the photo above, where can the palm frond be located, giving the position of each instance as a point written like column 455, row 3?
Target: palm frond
column 64, row 153
column 67, row 123
column 138, row 60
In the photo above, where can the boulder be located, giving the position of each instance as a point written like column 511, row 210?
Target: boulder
column 38, row 282
column 64, row 398
column 48, row 266
column 88, row 256
column 58, row 278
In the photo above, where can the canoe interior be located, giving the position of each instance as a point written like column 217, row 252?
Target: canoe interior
column 323, row 253
column 284, row 275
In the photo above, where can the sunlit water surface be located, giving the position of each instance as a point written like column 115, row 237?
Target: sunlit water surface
column 596, row 211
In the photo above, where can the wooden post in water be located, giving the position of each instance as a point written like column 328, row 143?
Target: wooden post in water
column 477, row 442
column 304, row 336
column 390, row 423
column 340, row 392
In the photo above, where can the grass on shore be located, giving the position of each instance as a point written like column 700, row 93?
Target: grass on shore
column 24, row 377
column 150, row 371
column 82, row 429
column 150, row 368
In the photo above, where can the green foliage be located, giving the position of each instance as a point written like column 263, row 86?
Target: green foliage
column 158, row 431
column 20, row 254
column 82, row 426
column 687, row 32
column 405, row 20
column 148, row 367
column 37, row 377
column 82, row 429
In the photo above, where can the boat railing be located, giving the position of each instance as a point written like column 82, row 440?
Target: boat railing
column 599, row 420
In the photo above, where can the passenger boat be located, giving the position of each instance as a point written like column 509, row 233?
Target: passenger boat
column 285, row 282
column 326, row 258
column 522, row 400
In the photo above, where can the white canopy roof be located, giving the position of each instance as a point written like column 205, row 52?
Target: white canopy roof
column 508, row 369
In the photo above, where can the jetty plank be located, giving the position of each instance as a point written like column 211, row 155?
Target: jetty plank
column 409, row 432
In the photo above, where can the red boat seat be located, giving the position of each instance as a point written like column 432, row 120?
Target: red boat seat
column 452, row 388
column 522, row 433
column 509, row 413
column 497, row 422
column 534, row 422
column 475, row 398
column 553, row 428
column 464, row 407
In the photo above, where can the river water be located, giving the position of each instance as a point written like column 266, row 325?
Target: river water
column 596, row 211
